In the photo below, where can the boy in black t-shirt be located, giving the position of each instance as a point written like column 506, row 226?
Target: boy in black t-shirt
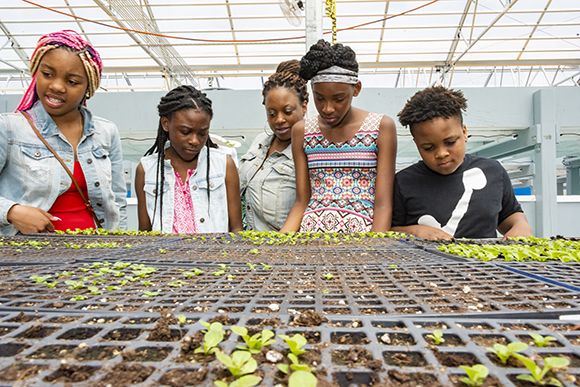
column 451, row 194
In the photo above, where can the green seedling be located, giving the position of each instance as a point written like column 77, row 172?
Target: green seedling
column 437, row 337
column 84, row 270
column 213, row 336
column 121, row 265
column 79, row 298
column 188, row 274
column 295, row 343
column 540, row 340
column 128, row 246
column 224, row 253
column 51, row 285
column 40, row 279
column 325, row 291
column 296, row 366
column 231, row 276
column 146, row 283
column 475, row 374
column 244, row 381
column 223, row 266
column 538, row 373
column 302, row 379
column 257, row 341
column 147, row 293
column 175, row 284
column 96, row 265
column 198, row 272
column 254, row 251
column 181, row 319
column 328, row 276
column 241, row 363
column 123, row 282
column 65, row 274
column 118, row 274
column 252, row 266
column 265, row 266
column 503, row 352
column 131, row 279
column 112, row 287
column 105, row 270
column 75, row 284
column 94, row 290
column 161, row 251
column 218, row 273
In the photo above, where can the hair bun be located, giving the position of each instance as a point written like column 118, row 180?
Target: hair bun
column 290, row 66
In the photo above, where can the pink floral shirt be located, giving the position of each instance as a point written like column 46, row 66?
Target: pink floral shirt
column 184, row 215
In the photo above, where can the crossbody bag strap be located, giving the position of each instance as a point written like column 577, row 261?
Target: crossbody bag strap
column 86, row 200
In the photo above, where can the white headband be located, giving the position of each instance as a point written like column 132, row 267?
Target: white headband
column 336, row 74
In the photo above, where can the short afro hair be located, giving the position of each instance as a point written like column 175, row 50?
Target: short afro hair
column 433, row 102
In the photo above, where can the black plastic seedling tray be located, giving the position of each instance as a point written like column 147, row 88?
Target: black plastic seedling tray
column 33, row 351
column 354, row 290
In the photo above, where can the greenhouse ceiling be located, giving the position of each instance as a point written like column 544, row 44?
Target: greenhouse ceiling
column 154, row 44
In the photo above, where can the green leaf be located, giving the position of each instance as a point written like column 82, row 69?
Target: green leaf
column 248, row 381
column 302, row 379
column 284, row 368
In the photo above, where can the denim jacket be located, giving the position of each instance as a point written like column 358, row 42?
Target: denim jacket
column 208, row 219
column 30, row 175
column 271, row 192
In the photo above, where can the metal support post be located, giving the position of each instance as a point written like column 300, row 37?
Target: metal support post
column 572, row 165
column 313, row 22
column 545, row 186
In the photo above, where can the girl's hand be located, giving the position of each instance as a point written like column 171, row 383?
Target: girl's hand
column 28, row 220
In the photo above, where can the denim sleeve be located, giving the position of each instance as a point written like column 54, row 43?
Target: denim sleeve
column 5, row 204
column 118, row 178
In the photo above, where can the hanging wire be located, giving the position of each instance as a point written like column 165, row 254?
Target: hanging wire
column 331, row 13
column 223, row 41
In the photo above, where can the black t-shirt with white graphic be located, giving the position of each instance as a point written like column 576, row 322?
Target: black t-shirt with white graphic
column 468, row 203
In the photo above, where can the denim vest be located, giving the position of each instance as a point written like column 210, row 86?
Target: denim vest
column 31, row 175
column 208, row 219
column 271, row 191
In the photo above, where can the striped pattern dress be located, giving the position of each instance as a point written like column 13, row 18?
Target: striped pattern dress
column 342, row 178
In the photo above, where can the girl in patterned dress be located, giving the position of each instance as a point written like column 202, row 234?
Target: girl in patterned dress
column 345, row 156
column 184, row 184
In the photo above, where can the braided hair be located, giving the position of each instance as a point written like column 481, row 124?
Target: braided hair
column 181, row 98
column 287, row 76
column 323, row 55
column 72, row 42
column 433, row 102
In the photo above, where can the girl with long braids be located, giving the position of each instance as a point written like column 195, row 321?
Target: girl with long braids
column 61, row 167
column 344, row 157
column 184, row 184
column 267, row 177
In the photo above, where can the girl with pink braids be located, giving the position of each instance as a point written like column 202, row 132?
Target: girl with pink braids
column 52, row 137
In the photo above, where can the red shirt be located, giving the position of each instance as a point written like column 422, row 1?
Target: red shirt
column 71, row 208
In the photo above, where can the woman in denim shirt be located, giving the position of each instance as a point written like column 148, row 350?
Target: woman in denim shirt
column 66, row 71
column 267, row 180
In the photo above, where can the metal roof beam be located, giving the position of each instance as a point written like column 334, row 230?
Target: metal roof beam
column 505, row 10
column 457, row 35
column 535, row 28
column 382, row 31
column 15, row 46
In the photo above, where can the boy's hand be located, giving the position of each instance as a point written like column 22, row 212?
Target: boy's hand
column 425, row 232
column 515, row 225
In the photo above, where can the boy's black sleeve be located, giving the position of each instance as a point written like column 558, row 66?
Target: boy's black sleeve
column 509, row 203
column 399, row 207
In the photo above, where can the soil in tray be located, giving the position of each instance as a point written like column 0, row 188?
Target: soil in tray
column 487, row 341
column 308, row 318
column 529, row 341
column 188, row 346
column 63, row 319
column 404, row 359
column 455, row 359
column 147, row 354
column 123, row 334
column 396, row 339
column 224, row 319
column 183, row 377
column 450, row 341
column 37, row 332
column 396, row 378
column 490, row 381
column 346, row 324
column 79, row 334
column 22, row 318
column 21, row 371
column 70, row 373
column 312, row 337
column 273, row 322
column 124, row 374
column 356, row 357
column 162, row 332
column 524, row 383
column 511, row 362
column 99, row 353
column 54, row 352
column 347, row 338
